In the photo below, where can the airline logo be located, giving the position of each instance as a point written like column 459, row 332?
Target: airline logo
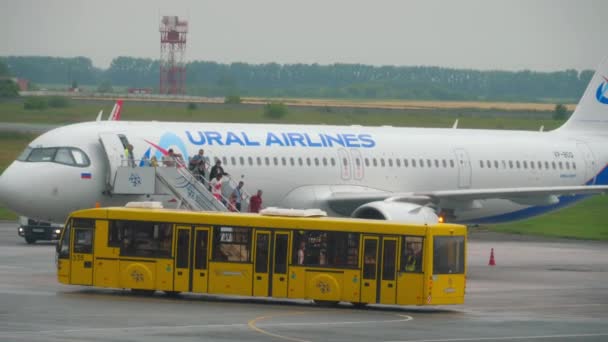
column 601, row 94
column 283, row 139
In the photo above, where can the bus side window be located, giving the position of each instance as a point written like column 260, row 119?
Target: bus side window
column 200, row 258
column 115, row 233
column 369, row 260
column 280, row 256
column 411, row 255
column 83, row 240
column 231, row 244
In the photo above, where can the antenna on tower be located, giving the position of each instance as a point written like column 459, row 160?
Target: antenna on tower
column 173, row 34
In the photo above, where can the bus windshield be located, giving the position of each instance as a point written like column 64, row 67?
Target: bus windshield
column 448, row 255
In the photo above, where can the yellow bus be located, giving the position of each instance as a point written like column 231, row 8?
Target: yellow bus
column 327, row 260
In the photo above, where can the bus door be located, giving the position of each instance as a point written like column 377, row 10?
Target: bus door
column 81, row 264
column 388, row 281
column 261, row 284
column 182, row 269
column 369, row 283
column 201, row 255
column 279, row 262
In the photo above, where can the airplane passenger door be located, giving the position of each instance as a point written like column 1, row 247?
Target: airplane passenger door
column 344, row 162
column 81, row 264
column 114, row 146
column 279, row 269
column 463, row 163
column 261, row 264
column 369, row 283
column 357, row 161
column 590, row 164
column 181, row 277
column 201, row 256
column 388, row 274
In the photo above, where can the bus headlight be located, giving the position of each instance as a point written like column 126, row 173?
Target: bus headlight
column 57, row 231
column 20, row 230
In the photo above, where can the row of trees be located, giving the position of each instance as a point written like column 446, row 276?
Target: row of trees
column 314, row 80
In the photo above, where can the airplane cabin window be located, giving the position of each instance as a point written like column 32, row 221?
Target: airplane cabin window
column 481, row 164
column 317, row 161
column 567, row 165
column 405, row 164
column 531, row 164
column 233, row 160
column 358, row 162
column 242, row 160
column 553, row 165
column 436, row 163
column 496, row 164
column 398, row 162
column 307, row 161
column 324, row 161
column 345, row 161
column 428, row 163
column 547, row 165
column 444, row 164
column 64, row 156
column 292, row 162
column 375, row 162
column 573, row 166
column 421, row 162
column 525, row 164
column 367, row 162
column 452, row 163
column 23, row 156
column 284, row 161
column 488, row 164
column 275, row 161
column 382, row 162
column 540, row 165
column 267, row 161
column 413, row 162
column 517, row 164
column 300, row 162
column 259, row 160
column 510, row 164
column 560, row 165
column 250, row 160
column 225, row 160
column 390, row 162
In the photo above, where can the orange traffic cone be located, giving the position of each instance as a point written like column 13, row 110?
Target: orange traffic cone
column 492, row 262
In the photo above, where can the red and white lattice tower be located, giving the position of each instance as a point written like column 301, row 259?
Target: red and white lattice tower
column 172, row 55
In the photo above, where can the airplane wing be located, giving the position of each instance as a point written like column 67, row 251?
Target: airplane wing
column 344, row 202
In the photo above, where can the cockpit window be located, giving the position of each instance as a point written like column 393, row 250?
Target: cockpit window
column 62, row 155
column 42, row 155
column 26, row 153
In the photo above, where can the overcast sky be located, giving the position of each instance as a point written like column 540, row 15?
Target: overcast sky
column 479, row 34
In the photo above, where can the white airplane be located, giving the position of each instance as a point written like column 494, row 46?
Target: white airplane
column 407, row 174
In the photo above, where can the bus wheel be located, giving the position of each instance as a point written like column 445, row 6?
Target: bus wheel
column 172, row 293
column 359, row 305
column 30, row 240
column 326, row 303
column 142, row 292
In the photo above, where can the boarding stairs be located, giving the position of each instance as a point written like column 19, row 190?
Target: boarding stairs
column 191, row 193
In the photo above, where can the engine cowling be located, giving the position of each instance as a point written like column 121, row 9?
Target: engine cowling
column 396, row 211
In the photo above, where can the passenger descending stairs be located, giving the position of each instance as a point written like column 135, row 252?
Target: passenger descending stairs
column 189, row 191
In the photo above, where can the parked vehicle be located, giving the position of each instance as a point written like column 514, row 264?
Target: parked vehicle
column 32, row 230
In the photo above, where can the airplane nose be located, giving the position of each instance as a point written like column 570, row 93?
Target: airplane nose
column 7, row 187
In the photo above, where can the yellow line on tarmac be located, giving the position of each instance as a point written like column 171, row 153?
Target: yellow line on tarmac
column 252, row 325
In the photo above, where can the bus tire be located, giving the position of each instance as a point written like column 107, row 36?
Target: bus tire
column 325, row 303
column 30, row 240
column 142, row 292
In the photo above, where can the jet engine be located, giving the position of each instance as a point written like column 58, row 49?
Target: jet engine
column 396, row 211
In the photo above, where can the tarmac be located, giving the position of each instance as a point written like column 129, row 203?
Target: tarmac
column 539, row 290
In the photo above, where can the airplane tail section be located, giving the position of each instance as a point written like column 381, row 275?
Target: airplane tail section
column 591, row 113
column 115, row 114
